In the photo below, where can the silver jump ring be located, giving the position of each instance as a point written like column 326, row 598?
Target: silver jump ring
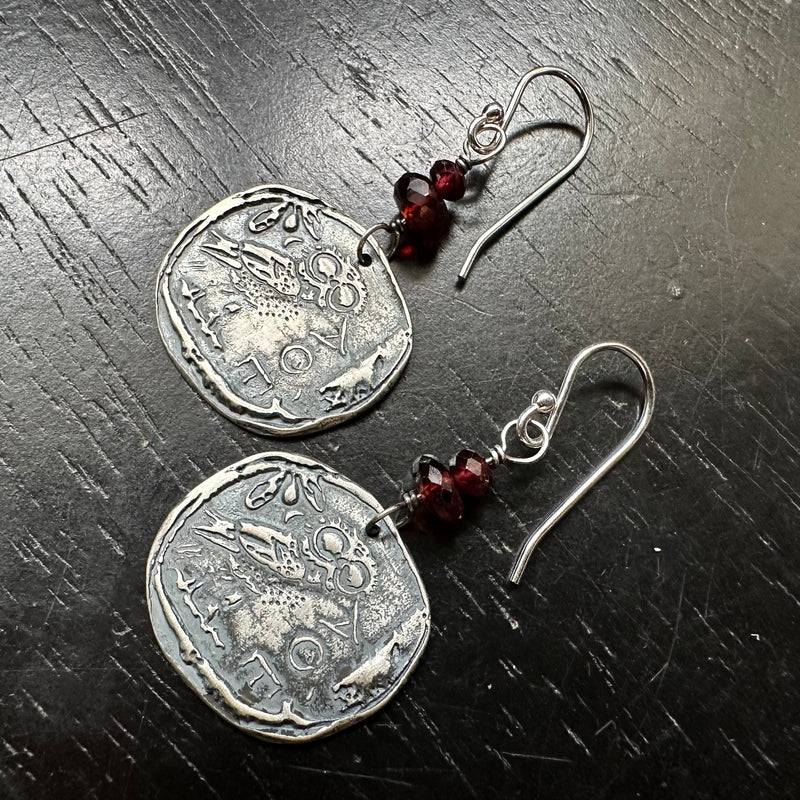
column 399, row 513
column 480, row 126
column 380, row 226
column 372, row 529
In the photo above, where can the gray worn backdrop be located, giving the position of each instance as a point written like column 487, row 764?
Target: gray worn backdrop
column 653, row 646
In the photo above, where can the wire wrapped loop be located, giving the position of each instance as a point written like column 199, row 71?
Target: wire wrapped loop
column 543, row 438
column 478, row 147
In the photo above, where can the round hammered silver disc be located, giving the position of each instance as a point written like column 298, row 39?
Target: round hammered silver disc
column 265, row 309
column 275, row 607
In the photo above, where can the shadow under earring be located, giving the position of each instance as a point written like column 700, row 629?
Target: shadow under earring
column 284, row 314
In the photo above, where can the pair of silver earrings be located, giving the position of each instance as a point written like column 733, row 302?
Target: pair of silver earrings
column 280, row 590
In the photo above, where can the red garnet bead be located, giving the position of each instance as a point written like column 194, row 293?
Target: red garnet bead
column 437, row 490
column 448, row 178
column 420, row 204
column 471, row 474
column 422, row 246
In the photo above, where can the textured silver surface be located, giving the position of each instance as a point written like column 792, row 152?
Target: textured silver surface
column 273, row 605
column 262, row 305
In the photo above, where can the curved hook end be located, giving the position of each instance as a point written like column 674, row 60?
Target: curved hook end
column 616, row 455
column 521, row 208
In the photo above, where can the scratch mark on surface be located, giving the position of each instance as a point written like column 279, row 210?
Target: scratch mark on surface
column 73, row 137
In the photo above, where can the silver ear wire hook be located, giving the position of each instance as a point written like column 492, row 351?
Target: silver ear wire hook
column 534, row 429
column 553, row 406
column 494, row 120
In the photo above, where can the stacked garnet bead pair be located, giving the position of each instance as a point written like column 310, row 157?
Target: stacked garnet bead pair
column 441, row 490
column 421, row 204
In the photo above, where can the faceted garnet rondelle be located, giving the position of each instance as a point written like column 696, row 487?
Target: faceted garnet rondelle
column 419, row 203
column 448, row 179
column 437, row 490
column 471, row 473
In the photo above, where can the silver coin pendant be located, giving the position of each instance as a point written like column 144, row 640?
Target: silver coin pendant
column 263, row 306
column 274, row 606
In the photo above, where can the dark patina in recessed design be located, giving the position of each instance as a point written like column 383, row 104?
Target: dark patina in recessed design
column 265, row 309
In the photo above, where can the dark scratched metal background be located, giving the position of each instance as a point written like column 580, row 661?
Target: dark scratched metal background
column 653, row 646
